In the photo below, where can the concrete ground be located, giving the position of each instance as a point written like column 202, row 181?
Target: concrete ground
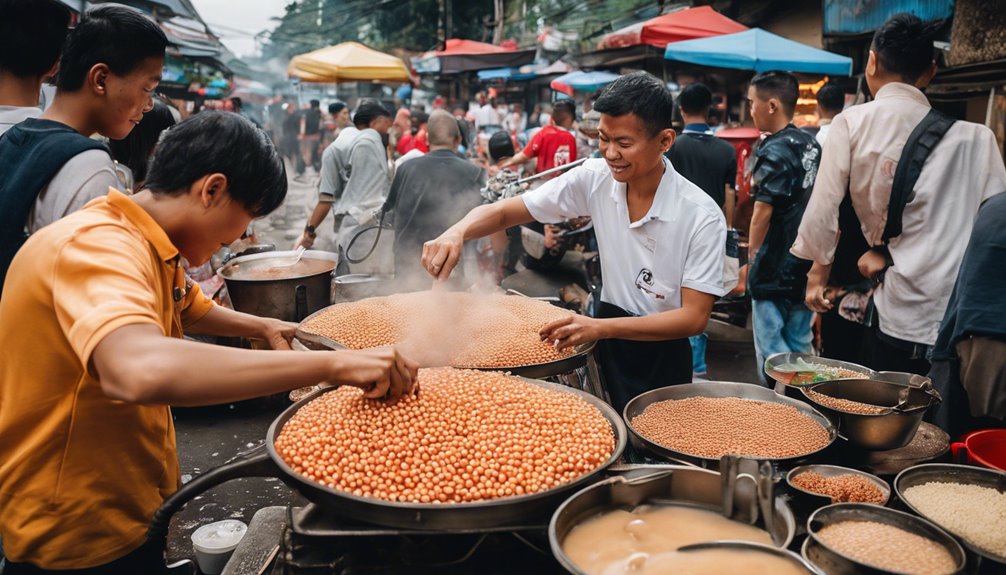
column 208, row 437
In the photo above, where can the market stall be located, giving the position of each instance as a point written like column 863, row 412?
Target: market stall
column 347, row 62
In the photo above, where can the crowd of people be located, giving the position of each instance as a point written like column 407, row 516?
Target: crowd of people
column 863, row 225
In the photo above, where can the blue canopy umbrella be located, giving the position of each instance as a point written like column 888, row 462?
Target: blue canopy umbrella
column 583, row 81
column 505, row 74
column 758, row 50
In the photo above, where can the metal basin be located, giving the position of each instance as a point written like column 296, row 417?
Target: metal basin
column 288, row 297
column 749, row 391
column 660, row 485
column 889, row 430
column 812, row 500
column 948, row 473
column 833, row 562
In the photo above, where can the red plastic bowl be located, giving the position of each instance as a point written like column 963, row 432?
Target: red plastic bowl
column 986, row 448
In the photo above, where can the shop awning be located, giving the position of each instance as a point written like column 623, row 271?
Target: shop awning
column 461, row 55
column 758, row 50
column 688, row 24
column 348, row 62
column 582, row 81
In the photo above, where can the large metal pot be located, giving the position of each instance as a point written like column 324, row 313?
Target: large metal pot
column 354, row 287
column 289, row 298
column 266, row 462
column 677, row 485
column 890, row 429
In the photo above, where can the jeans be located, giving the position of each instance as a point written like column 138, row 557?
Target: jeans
column 699, row 353
column 780, row 326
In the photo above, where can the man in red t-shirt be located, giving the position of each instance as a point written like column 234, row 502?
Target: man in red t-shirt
column 553, row 145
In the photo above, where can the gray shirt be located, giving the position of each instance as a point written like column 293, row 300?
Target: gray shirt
column 10, row 115
column 369, row 176
column 82, row 178
column 335, row 165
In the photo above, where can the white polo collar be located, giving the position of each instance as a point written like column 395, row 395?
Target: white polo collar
column 661, row 208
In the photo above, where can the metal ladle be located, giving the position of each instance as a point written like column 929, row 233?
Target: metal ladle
column 292, row 260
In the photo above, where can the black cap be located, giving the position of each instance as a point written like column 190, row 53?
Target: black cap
column 367, row 110
column 500, row 146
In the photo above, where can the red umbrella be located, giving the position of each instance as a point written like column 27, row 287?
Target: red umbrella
column 689, row 24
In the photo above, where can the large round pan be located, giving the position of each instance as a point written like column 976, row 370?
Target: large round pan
column 266, row 462
column 534, row 371
column 714, row 389
column 949, row 473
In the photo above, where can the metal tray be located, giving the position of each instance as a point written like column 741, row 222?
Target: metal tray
column 772, row 361
column 834, row 471
column 714, row 389
column 950, row 473
column 574, row 361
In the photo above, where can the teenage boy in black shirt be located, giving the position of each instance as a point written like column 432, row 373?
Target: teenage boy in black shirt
column 785, row 167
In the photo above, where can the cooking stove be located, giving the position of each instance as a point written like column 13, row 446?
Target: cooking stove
column 312, row 541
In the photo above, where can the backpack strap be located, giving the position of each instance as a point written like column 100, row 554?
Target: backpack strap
column 919, row 146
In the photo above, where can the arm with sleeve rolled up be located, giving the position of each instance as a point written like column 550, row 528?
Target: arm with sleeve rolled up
column 817, row 237
column 329, row 190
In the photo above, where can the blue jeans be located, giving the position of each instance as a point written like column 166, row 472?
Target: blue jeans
column 780, row 326
column 699, row 352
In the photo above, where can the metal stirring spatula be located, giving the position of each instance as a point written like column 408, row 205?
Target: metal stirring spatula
column 292, row 260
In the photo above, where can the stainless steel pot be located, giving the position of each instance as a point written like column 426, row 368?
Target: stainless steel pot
column 637, row 485
column 354, row 287
column 891, row 429
column 289, row 298
column 833, row 562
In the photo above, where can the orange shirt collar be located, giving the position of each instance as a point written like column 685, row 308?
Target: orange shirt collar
column 150, row 229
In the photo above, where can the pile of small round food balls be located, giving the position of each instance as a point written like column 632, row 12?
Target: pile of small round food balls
column 455, row 329
column 467, row 436
column 712, row 427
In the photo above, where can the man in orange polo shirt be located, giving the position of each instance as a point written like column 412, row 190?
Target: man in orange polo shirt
column 91, row 320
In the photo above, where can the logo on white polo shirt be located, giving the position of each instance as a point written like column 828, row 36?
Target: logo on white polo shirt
column 644, row 281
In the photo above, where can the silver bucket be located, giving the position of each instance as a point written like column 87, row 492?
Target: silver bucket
column 287, row 298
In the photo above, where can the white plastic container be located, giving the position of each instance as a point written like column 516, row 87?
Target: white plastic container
column 215, row 542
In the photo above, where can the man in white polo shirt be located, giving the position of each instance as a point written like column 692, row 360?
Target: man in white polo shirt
column 661, row 241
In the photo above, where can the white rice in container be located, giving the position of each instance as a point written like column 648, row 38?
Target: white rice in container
column 972, row 512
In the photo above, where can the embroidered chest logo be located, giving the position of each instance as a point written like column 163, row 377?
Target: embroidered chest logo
column 644, row 281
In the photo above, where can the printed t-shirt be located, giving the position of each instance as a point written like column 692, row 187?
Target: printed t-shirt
column 678, row 244
column 553, row 146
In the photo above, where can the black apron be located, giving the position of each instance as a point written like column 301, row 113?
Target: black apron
column 634, row 367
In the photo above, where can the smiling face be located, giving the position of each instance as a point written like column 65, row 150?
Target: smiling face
column 127, row 97
column 629, row 148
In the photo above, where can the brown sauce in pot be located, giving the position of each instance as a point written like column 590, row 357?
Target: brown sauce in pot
column 262, row 270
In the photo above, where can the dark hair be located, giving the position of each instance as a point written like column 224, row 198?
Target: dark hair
column 220, row 142
column 336, row 107
column 565, row 108
column 315, row 104
column 32, row 33
column 778, row 84
column 904, row 45
column 642, row 94
column 695, row 100
column 500, row 146
column 367, row 110
column 134, row 150
column 111, row 34
column 237, row 103
column 831, row 98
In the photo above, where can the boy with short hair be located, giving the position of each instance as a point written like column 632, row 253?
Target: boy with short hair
column 88, row 451
column 786, row 164
column 32, row 33
column 109, row 69
column 830, row 101
column 660, row 240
